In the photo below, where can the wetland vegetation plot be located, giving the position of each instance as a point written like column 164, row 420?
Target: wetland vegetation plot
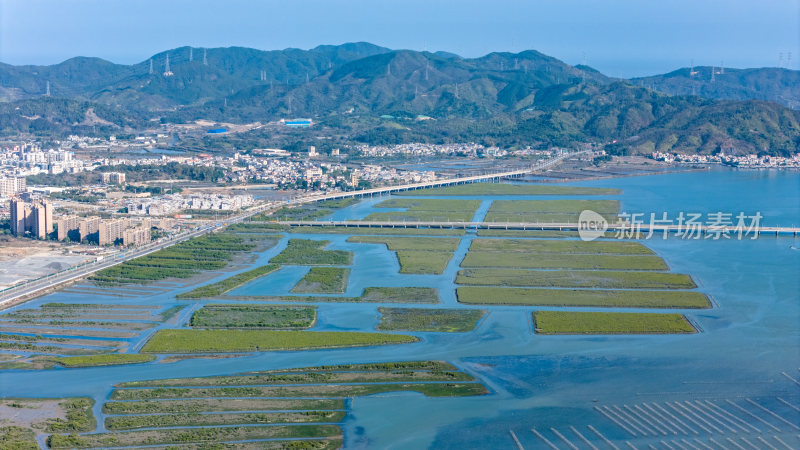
column 419, row 319
column 602, row 279
column 221, row 341
column 425, row 210
column 254, row 316
column 103, row 360
column 323, row 280
column 271, row 408
column 523, row 260
column 606, row 298
column 309, row 252
column 370, row 295
column 579, row 322
column 208, row 252
column 549, row 211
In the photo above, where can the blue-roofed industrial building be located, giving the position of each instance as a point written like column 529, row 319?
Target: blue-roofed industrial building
column 297, row 123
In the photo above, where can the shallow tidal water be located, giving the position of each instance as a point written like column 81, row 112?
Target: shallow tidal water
column 749, row 338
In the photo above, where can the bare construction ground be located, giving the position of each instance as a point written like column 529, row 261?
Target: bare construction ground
column 25, row 259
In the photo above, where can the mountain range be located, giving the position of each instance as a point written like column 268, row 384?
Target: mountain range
column 377, row 95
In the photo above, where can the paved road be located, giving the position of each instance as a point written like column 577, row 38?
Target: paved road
column 33, row 287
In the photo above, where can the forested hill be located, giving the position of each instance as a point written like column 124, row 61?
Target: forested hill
column 768, row 83
column 373, row 94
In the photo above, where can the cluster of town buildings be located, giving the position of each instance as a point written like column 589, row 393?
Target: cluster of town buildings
column 420, row 149
column 753, row 161
column 30, row 159
column 173, row 203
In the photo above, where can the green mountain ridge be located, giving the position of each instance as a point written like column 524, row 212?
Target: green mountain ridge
column 766, row 83
column 502, row 98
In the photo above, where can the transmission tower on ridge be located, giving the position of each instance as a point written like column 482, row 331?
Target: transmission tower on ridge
column 167, row 72
column 190, row 54
column 205, row 59
column 151, row 66
column 47, row 93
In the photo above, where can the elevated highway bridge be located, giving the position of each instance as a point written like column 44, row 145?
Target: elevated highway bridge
column 541, row 226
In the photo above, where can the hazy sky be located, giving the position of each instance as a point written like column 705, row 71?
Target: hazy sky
column 618, row 37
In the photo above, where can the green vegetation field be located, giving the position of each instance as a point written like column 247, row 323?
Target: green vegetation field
column 339, row 373
column 189, row 420
column 421, row 210
column 549, row 211
column 572, row 322
column 400, row 294
column 190, row 435
column 307, row 252
column 563, row 261
column 423, row 262
column 79, row 417
column 370, row 295
column 509, row 189
column 455, row 389
column 254, row 316
column 221, row 341
column 216, row 404
column 418, row 319
column 17, row 438
column 559, row 246
column 103, row 360
column 582, row 297
column 228, row 284
column 209, row 252
column 236, row 407
column 323, row 280
column 603, row 279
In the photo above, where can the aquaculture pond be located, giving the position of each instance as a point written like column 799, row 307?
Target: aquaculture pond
column 713, row 364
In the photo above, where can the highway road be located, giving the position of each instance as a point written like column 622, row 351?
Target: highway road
column 32, row 288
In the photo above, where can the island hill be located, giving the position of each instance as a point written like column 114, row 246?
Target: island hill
column 363, row 93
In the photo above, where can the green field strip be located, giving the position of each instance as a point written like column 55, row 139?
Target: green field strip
column 574, row 322
column 563, row 261
column 582, row 298
column 253, row 316
column 221, row 341
column 600, row 279
column 307, row 252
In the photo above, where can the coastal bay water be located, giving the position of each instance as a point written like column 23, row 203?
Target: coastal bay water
column 750, row 336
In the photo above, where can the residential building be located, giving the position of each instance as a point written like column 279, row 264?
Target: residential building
column 113, row 177
column 136, row 236
column 67, row 224
column 35, row 218
column 9, row 186
column 89, row 226
column 111, row 230
column 19, row 210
